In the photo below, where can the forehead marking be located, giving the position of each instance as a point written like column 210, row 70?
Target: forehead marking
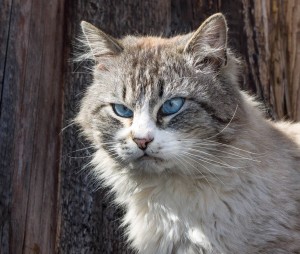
column 124, row 92
column 160, row 88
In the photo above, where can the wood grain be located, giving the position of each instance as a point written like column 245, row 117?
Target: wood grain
column 273, row 42
column 31, row 111
column 6, row 134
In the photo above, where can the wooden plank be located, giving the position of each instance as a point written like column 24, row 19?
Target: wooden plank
column 272, row 29
column 292, row 21
column 5, row 19
column 31, row 118
column 7, row 123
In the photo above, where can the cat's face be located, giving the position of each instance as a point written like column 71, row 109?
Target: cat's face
column 159, row 105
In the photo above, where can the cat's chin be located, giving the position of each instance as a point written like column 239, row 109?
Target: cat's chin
column 150, row 164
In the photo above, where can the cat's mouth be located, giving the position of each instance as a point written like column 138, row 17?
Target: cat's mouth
column 147, row 157
column 151, row 163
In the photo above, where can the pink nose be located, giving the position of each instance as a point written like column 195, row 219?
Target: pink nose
column 142, row 143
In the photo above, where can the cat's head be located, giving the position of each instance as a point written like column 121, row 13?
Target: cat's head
column 161, row 105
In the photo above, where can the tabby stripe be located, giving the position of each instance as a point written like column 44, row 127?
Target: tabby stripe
column 97, row 109
column 124, row 92
column 160, row 88
column 212, row 112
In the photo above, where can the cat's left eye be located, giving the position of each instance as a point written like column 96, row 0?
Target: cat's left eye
column 122, row 111
column 172, row 106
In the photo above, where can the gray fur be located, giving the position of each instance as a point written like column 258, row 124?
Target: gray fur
column 218, row 177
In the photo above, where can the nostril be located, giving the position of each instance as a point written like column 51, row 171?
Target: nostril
column 142, row 143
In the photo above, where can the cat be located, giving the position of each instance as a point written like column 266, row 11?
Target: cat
column 189, row 155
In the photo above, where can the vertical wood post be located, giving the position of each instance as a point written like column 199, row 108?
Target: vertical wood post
column 30, row 124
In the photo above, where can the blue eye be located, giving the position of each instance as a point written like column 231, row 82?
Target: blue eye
column 172, row 106
column 122, row 110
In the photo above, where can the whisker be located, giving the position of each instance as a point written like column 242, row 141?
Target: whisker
column 229, row 153
column 230, row 146
column 66, row 127
column 108, row 143
column 217, row 145
column 227, row 125
column 81, row 149
column 79, row 157
column 201, row 174
column 208, row 161
column 220, row 162
column 208, row 170
column 189, row 172
column 84, row 168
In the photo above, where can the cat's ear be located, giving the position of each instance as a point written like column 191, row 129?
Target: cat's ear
column 208, row 44
column 99, row 43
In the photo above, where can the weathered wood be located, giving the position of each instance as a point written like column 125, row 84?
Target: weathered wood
column 273, row 42
column 30, row 123
column 6, row 135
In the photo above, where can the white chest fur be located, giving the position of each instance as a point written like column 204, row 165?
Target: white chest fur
column 171, row 215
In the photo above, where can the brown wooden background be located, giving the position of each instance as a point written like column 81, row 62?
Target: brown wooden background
column 47, row 203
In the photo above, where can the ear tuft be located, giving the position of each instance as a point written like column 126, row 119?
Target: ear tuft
column 99, row 43
column 209, row 43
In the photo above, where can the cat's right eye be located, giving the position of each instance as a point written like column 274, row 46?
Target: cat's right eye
column 122, row 111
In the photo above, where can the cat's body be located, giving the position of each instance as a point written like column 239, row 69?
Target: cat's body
column 197, row 167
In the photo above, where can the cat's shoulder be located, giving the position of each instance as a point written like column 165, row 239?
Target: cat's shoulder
column 292, row 130
column 289, row 129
